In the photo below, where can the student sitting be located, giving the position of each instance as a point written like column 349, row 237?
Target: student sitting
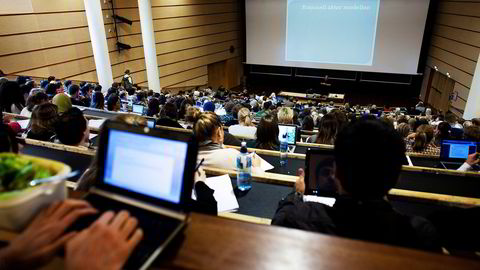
column 285, row 116
column 210, row 136
column 32, row 101
column 63, row 102
column 168, row 116
column 328, row 127
column 98, row 101
column 267, row 133
column 113, row 103
column 422, row 141
column 153, row 107
column 72, row 128
column 11, row 98
column 245, row 127
column 74, row 93
column 368, row 156
column 308, row 123
column 42, row 123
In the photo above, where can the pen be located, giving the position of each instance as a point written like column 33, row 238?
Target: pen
column 199, row 164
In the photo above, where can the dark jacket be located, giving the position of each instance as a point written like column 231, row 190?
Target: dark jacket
column 373, row 221
column 167, row 122
column 44, row 136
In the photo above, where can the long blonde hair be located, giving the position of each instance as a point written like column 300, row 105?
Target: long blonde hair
column 244, row 117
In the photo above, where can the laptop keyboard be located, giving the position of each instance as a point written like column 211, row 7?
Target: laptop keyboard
column 156, row 228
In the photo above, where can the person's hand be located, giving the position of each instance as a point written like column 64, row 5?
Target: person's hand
column 44, row 237
column 411, row 136
column 105, row 245
column 473, row 159
column 200, row 175
column 300, row 183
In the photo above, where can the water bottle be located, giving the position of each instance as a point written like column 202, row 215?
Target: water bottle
column 283, row 150
column 244, row 169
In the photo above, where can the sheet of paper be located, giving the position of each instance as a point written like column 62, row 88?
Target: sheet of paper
column 224, row 195
column 95, row 123
column 323, row 200
column 264, row 166
column 23, row 123
column 91, row 136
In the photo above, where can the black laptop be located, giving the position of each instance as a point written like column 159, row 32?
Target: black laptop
column 149, row 173
column 453, row 153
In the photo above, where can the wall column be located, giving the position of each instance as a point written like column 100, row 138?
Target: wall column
column 93, row 10
column 149, row 45
column 472, row 109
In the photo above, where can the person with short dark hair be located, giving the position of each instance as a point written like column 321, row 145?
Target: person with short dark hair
column 265, row 108
column 168, row 116
column 74, row 93
column 153, row 107
column 308, row 123
column 368, row 159
column 127, row 80
column 72, row 127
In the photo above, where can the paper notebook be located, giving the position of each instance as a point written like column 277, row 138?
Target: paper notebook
column 223, row 193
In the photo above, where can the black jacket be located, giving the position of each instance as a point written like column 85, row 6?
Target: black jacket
column 373, row 221
column 167, row 122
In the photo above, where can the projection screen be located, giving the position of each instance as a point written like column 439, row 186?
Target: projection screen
column 357, row 35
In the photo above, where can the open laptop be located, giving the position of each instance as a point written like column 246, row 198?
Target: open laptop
column 138, row 109
column 149, row 173
column 151, row 123
column 290, row 132
column 453, row 153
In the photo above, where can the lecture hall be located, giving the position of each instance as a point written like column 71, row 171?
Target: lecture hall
column 251, row 134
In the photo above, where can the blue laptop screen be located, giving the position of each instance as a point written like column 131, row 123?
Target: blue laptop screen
column 288, row 132
column 138, row 109
column 452, row 149
column 146, row 165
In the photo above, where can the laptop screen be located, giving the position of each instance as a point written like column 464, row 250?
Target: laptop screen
column 288, row 132
column 151, row 123
column 138, row 109
column 453, row 149
column 146, row 165
column 321, row 174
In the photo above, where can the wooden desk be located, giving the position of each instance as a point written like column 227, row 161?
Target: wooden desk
column 216, row 243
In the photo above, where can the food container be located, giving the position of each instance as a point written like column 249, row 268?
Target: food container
column 18, row 208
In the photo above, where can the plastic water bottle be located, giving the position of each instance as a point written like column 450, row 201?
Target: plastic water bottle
column 283, row 150
column 244, row 169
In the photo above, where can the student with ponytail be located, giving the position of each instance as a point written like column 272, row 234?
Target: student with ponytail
column 245, row 127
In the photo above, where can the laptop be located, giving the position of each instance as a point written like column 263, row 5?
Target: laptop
column 148, row 172
column 290, row 132
column 151, row 123
column 138, row 109
column 453, row 153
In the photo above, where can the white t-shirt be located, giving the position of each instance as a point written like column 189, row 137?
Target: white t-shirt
column 25, row 112
column 243, row 131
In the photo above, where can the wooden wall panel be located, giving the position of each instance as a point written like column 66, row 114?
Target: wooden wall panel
column 192, row 34
column 134, row 58
column 455, row 46
column 41, row 38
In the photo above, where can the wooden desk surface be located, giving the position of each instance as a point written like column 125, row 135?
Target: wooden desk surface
column 216, row 243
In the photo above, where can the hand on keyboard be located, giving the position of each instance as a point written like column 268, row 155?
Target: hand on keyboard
column 39, row 243
column 106, row 244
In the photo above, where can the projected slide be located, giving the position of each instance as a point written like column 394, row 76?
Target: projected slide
column 332, row 31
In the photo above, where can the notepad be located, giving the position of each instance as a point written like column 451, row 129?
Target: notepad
column 318, row 199
column 95, row 123
column 92, row 136
column 223, row 193
column 264, row 166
